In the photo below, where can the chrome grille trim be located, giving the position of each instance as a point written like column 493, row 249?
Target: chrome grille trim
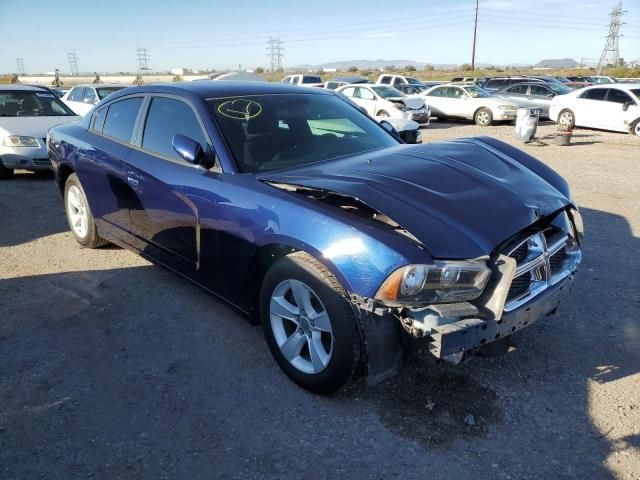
column 536, row 264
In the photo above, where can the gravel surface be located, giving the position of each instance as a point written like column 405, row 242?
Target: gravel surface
column 111, row 367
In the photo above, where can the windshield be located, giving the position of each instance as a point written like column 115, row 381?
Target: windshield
column 477, row 92
column 104, row 92
column 311, row 79
column 413, row 81
column 559, row 89
column 32, row 104
column 387, row 92
column 270, row 132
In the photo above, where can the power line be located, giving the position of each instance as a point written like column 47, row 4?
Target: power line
column 20, row 63
column 611, row 46
column 73, row 63
column 274, row 52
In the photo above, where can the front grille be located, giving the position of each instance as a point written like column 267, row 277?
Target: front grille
column 542, row 260
column 42, row 162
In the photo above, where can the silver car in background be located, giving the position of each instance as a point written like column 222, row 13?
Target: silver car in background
column 26, row 115
column 533, row 95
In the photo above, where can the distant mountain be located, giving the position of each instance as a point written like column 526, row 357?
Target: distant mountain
column 381, row 63
column 557, row 63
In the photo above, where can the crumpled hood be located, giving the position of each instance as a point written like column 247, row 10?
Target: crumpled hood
column 32, row 126
column 460, row 198
column 414, row 103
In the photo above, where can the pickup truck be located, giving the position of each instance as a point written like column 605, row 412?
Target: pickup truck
column 303, row 80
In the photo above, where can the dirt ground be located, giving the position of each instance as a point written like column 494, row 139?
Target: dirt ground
column 111, row 367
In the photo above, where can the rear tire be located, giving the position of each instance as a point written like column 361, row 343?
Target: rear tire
column 5, row 173
column 635, row 129
column 79, row 214
column 567, row 118
column 483, row 117
column 327, row 351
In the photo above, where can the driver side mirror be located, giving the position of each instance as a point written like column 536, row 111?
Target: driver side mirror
column 625, row 106
column 465, row 97
column 190, row 150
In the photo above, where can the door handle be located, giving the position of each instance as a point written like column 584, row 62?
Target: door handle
column 132, row 179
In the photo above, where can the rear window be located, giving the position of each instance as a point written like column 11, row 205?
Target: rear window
column 311, row 79
column 121, row 118
column 104, row 92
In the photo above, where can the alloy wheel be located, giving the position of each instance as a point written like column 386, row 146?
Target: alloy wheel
column 301, row 326
column 77, row 210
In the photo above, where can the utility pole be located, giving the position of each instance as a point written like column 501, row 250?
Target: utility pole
column 20, row 63
column 611, row 46
column 73, row 63
column 475, row 31
column 274, row 52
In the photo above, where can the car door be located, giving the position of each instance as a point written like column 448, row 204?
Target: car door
column 163, row 219
column 459, row 104
column 615, row 111
column 540, row 96
column 517, row 94
column 590, row 108
column 101, row 165
column 436, row 99
column 74, row 99
column 368, row 100
column 89, row 99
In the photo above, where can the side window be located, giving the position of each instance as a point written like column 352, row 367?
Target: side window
column 518, row 90
column 540, row 91
column 595, row 94
column 496, row 84
column 618, row 96
column 438, row 92
column 366, row 94
column 76, row 94
column 89, row 96
column 348, row 92
column 286, row 80
column 121, row 117
column 455, row 92
column 97, row 123
column 398, row 81
column 386, row 79
column 166, row 117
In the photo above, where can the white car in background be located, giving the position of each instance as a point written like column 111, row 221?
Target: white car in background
column 26, row 115
column 615, row 106
column 387, row 102
column 470, row 102
column 82, row 98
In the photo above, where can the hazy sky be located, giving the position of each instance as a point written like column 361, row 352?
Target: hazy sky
column 221, row 34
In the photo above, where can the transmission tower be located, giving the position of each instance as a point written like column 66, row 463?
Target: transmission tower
column 274, row 52
column 73, row 63
column 611, row 48
column 20, row 63
column 143, row 60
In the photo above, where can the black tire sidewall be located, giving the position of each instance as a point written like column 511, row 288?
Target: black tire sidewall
column 343, row 359
column 5, row 173
column 90, row 239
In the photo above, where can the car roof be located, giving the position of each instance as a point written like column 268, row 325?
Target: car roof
column 26, row 88
column 101, row 85
column 619, row 86
column 213, row 89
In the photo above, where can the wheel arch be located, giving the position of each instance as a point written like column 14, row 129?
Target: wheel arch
column 64, row 172
column 268, row 254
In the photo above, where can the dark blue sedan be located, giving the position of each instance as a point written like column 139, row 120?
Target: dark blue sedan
column 348, row 246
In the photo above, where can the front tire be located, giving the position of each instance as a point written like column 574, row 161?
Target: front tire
column 309, row 326
column 483, row 117
column 635, row 129
column 567, row 118
column 79, row 214
column 5, row 173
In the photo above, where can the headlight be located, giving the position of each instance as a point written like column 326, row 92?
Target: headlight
column 577, row 223
column 505, row 107
column 442, row 282
column 19, row 141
